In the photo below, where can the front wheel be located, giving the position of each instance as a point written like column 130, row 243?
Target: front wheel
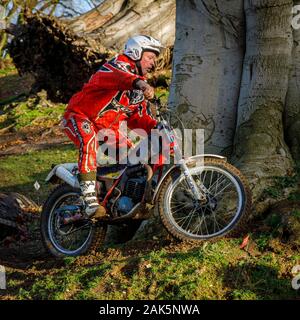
column 227, row 203
column 68, row 239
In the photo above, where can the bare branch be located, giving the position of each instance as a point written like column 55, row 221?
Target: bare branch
column 62, row 4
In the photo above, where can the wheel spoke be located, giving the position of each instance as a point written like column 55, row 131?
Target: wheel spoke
column 224, row 188
column 209, row 219
column 204, row 219
column 184, row 218
column 180, row 208
column 191, row 216
column 67, row 238
column 216, row 183
column 196, row 230
column 216, row 222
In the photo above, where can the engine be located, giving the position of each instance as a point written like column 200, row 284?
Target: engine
column 132, row 194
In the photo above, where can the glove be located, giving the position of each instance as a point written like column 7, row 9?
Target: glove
column 146, row 88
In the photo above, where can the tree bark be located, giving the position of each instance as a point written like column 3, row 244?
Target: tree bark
column 115, row 20
column 95, row 18
column 207, row 67
column 292, row 107
column 260, row 150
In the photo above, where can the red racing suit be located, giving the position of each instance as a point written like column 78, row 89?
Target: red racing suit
column 107, row 99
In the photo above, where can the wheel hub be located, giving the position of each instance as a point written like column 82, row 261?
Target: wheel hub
column 209, row 202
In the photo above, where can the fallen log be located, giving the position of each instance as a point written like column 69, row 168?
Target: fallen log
column 60, row 61
column 17, row 213
column 63, row 54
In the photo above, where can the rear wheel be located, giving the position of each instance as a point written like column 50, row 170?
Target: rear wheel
column 228, row 202
column 68, row 239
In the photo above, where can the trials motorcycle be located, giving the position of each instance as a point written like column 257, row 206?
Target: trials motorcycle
column 199, row 198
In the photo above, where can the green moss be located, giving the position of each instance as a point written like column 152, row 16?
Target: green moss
column 295, row 213
column 242, row 294
column 7, row 67
column 276, row 191
column 274, row 221
column 262, row 241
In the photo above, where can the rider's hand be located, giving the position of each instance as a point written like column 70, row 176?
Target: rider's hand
column 146, row 88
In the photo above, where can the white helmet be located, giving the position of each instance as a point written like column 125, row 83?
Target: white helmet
column 136, row 45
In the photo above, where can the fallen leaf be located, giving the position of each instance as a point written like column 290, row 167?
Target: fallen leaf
column 245, row 242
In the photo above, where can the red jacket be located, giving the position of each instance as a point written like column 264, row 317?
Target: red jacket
column 111, row 85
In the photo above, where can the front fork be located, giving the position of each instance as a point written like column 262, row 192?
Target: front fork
column 199, row 191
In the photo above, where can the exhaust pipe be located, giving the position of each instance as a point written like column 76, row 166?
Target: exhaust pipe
column 67, row 176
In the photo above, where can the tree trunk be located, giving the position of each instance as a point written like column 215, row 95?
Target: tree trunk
column 292, row 107
column 232, row 79
column 115, row 20
column 95, row 18
column 207, row 67
column 260, row 150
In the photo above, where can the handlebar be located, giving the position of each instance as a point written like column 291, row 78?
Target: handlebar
column 163, row 110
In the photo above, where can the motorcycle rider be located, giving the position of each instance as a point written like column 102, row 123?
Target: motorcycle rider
column 117, row 92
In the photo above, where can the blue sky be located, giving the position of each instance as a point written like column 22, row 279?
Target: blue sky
column 80, row 6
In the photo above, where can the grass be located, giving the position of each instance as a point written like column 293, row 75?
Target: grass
column 19, row 173
column 211, row 271
column 20, row 110
column 8, row 71
column 34, row 112
column 296, row 213
column 12, row 86
column 7, row 67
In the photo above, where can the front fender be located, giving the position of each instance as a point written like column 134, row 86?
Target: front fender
column 177, row 167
